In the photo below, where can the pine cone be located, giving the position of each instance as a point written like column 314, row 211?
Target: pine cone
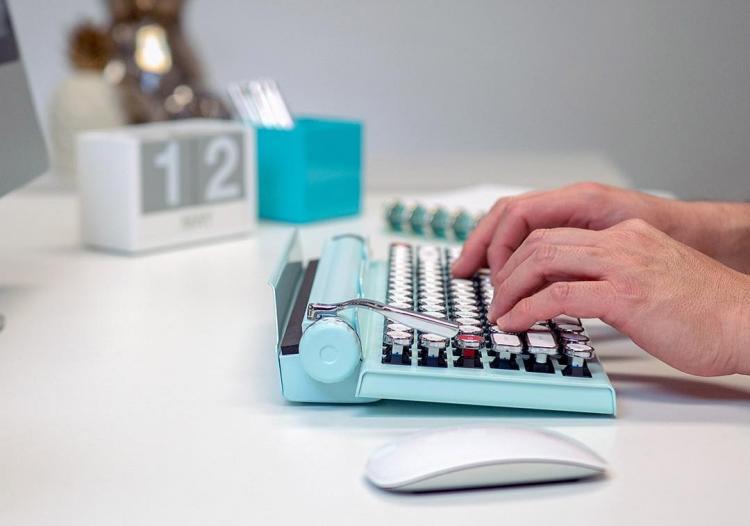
column 90, row 47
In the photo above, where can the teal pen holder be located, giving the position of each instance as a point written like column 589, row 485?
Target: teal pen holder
column 310, row 172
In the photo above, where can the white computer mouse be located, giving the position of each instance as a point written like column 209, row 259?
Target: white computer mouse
column 471, row 457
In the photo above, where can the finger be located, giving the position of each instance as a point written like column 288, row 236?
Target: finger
column 473, row 255
column 540, row 238
column 548, row 264
column 559, row 208
column 582, row 299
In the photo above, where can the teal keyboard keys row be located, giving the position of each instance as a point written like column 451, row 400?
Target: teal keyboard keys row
column 438, row 222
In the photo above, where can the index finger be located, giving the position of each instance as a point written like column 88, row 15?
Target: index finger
column 474, row 253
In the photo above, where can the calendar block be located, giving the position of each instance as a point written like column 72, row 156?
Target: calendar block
column 152, row 186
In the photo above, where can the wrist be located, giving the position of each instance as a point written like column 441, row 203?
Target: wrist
column 732, row 232
column 719, row 230
column 739, row 335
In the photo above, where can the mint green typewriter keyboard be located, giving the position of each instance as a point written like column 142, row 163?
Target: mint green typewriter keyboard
column 356, row 350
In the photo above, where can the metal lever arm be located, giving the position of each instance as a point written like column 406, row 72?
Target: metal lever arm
column 410, row 318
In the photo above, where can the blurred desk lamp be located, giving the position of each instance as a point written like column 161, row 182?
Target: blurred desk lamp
column 22, row 151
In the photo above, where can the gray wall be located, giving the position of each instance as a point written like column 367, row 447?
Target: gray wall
column 660, row 87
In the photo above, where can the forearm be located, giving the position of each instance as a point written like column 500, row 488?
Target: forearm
column 719, row 230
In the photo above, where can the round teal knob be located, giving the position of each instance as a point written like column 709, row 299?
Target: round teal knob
column 396, row 215
column 419, row 220
column 440, row 222
column 463, row 224
column 330, row 350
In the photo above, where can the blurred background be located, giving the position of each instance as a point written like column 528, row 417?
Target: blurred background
column 659, row 89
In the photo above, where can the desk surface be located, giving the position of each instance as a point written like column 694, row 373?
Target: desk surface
column 143, row 390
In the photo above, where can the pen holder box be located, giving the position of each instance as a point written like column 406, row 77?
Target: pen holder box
column 152, row 186
column 310, row 172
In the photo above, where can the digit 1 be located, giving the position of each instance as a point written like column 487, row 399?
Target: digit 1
column 169, row 161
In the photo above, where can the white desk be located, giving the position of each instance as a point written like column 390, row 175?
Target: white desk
column 144, row 391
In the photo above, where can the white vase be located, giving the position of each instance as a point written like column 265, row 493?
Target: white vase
column 84, row 101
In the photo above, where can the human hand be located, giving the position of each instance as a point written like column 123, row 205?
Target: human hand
column 721, row 230
column 676, row 303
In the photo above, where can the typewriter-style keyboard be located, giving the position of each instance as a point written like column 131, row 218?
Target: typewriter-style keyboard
column 419, row 279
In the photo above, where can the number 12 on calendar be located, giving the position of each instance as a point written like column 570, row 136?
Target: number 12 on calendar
column 190, row 172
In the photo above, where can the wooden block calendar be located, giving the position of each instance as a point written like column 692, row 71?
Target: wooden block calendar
column 152, row 186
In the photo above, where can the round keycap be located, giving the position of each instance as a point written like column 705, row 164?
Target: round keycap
column 400, row 305
column 398, row 338
column 433, row 340
column 431, row 293
column 467, row 306
column 469, row 329
column 400, row 289
column 574, row 337
column 469, row 341
column 432, row 307
column 570, row 327
column 578, row 350
column 468, row 321
column 432, row 298
column 399, row 298
column 466, row 314
column 434, row 314
column 399, row 327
